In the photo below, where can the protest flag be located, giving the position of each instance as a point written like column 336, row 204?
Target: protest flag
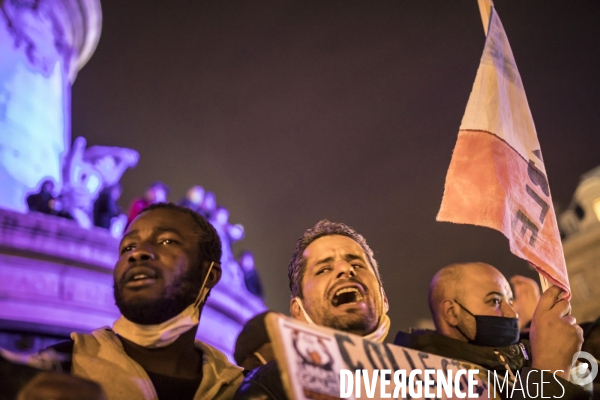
column 497, row 177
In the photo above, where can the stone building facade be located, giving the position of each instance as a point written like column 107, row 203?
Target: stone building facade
column 580, row 228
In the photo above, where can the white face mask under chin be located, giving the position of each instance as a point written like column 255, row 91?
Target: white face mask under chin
column 165, row 333
column 378, row 335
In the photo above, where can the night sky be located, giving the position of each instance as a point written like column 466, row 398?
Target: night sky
column 347, row 110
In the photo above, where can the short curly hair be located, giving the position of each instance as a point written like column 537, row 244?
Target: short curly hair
column 297, row 266
column 208, row 238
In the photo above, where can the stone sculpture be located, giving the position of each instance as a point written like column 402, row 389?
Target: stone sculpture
column 87, row 172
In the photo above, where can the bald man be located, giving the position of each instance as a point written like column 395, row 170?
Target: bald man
column 472, row 309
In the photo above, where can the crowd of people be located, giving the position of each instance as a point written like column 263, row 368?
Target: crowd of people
column 171, row 256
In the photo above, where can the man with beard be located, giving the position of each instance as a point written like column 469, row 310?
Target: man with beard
column 169, row 261
column 472, row 309
column 334, row 282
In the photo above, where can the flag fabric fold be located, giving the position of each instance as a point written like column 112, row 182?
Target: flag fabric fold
column 497, row 177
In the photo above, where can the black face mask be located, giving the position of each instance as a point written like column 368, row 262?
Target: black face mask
column 493, row 331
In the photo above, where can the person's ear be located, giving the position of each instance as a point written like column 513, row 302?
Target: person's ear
column 214, row 275
column 295, row 311
column 448, row 311
column 386, row 303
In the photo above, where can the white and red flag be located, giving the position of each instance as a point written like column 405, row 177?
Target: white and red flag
column 497, row 176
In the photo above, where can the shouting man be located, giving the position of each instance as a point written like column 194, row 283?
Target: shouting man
column 169, row 260
column 334, row 282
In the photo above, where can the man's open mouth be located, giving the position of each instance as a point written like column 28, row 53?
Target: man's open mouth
column 347, row 295
column 140, row 276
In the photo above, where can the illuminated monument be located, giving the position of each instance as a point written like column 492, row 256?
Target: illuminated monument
column 56, row 273
column 580, row 228
column 43, row 44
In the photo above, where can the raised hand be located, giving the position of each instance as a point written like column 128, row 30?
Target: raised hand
column 555, row 337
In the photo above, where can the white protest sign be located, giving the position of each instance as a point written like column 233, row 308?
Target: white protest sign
column 319, row 363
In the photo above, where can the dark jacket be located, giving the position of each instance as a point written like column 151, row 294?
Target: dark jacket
column 516, row 357
column 105, row 208
column 40, row 202
column 262, row 383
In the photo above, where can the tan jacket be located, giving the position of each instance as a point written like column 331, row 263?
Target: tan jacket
column 100, row 357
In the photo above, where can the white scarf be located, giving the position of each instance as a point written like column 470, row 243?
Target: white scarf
column 378, row 335
column 165, row 333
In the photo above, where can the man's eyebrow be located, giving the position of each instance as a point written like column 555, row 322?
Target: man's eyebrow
column 496, row 293
column 324, row 261
column 155, row 231
column 352, row 257
column 347, row 257
column 128, row 235
column 160, row 230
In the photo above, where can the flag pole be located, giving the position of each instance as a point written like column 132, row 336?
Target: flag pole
column 544, row 282
column 485, row 9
